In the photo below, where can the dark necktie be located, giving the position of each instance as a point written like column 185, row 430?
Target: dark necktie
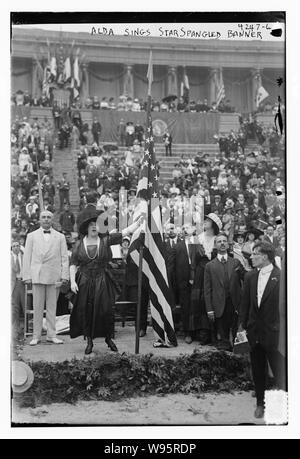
column 47, row 231
column 18, row 267
column 226, row 277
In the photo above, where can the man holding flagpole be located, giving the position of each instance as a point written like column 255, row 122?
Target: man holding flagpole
column 152, row 264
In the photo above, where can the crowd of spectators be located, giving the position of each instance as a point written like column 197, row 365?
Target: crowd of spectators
column 31, row 152
column 126, row 103
column 241, row 188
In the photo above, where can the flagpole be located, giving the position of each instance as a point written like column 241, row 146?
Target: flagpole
column 142, row 235
column 139, row 301
column 41, row 202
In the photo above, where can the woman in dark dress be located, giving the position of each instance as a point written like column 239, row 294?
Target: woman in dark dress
column 92, row 282
column 204, row 252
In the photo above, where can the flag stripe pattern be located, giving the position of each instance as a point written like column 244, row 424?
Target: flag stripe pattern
column 261, row 93
column 154, row 265
column 220, row 93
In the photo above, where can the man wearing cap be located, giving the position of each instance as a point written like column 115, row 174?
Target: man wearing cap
column 222, row 290
column 45, row 264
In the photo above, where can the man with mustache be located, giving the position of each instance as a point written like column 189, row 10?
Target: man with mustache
column 222, row 291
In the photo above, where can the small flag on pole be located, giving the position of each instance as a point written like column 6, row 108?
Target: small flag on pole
column 261, row 95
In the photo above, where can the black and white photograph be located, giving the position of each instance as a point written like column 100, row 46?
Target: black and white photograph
column 148, row 226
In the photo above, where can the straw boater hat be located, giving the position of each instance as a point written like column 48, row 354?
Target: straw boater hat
column 22, row 377
column 215, row 219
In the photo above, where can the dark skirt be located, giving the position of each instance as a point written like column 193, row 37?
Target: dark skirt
column 92, row 313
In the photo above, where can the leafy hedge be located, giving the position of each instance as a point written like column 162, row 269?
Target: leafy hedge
column 114, row 376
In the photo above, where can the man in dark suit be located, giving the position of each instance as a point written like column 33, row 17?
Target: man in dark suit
column 170, row 241
column 222, row 291
column 269, row 236
column 259, row 316
column 167, row 138
column 184, row 257
column 96, row 130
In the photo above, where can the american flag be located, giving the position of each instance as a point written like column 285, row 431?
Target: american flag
column 220, row 88
column 154, row 266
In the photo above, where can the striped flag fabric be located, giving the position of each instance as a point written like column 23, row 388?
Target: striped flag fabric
column 67, row 69
column 185, row 88
column 154, row 265
column 261, row 93
column 220, row 88
column 150, row 74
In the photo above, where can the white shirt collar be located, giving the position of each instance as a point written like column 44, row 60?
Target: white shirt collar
column 222, row 256
column 266, row 269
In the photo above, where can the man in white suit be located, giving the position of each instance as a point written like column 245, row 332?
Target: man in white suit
column 45, row 264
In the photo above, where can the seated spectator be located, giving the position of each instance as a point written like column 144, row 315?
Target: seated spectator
column 181, row 106
column 88, row 103
column 155, row 106
column 164, row 107
column 136, row 106
column 176, row 173
column 46, row 165
column 111, row 103
column 96, row 103
column 205, row 106
column 122, row 103
column 129, row 104
column 23, row 159
column 14, row 169
column 193, row 106
column 104, row 104
column 199, row 106
column 217, row 206
column 136, row 148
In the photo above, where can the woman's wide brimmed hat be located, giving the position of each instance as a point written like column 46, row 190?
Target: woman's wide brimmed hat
column 214, row 218
column 256, row 231
column 22, row 377
column 85, row 217
column 239, row 234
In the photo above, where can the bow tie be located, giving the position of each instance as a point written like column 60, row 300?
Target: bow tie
column 47, row 232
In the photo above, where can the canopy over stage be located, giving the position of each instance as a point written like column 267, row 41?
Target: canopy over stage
column 111, row 63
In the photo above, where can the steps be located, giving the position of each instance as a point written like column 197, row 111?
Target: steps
column 167, row 163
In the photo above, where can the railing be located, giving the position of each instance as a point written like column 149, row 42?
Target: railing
column 188, row 128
